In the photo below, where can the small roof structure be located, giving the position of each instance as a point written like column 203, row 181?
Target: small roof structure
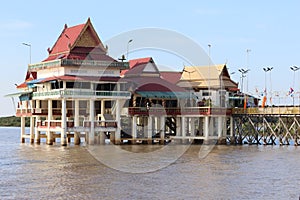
column 144, row 78
column 172, row 77
column 203, row 77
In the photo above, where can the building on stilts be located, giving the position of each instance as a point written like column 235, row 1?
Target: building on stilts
column 80, row 93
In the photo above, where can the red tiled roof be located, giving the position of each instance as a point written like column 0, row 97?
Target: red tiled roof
column 172, row 77
column 153, row 84
column 66, row 39
column 135, row 62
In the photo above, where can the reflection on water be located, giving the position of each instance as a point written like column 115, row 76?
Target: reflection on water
column 227, row 172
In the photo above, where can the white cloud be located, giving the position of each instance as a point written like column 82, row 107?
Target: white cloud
column 12, row 25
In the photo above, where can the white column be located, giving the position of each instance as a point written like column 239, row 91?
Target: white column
column 31, row 129
column 134, row 133
column 92, row 119
column 63, row 135
column 49, row 134
column 206, row 127
column 76, row 123
column 183, row 124
column 22, row 129
column 162, row 129
column 149, row 131
column 178, row 126
column 220, row 127
column 118, row 119
column 192, row 126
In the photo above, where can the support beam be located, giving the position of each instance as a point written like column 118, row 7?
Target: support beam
column 134, row 131
column 63, row 135
column 31, row 130
column 49, row 134
column 149, row 131
column 118, row 119
column 22, row 129
column 162, row 129
column 76, row 123
column 206, row 128
column 92, row 120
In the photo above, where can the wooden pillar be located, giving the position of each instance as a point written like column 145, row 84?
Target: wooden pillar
column 118, row 119
column 162, row 129
column 22, row 129
column 31, row 130
column 92, row 120
column 102, row 111
column 133, row 128
column 63, row 135
column 49, row 134
column 149, row 131
column 76, row 123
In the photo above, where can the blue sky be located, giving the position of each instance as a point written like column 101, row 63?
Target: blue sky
column 269, row 28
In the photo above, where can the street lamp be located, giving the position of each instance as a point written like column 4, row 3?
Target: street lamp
column 129, row 41
column 243, row 75
column 294, row 68
column 29, row 45
column 247, row 52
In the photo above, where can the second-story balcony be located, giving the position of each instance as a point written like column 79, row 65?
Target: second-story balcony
column 78, row 93
column 179, row 111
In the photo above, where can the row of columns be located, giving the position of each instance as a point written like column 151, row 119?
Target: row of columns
column 34, row 133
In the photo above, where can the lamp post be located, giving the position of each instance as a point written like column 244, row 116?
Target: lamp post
column 29, row 45
column 294, row 68
column 243, row 75
column 129, row 41
column 268, row 69
column 247, row 59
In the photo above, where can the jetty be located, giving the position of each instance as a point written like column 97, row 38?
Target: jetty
column 81, row 94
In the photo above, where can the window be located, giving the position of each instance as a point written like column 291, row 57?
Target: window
column 206, row 93
column 79, row 85
column 56, row 85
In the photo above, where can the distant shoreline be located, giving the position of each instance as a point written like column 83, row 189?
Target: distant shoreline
column 13, row 121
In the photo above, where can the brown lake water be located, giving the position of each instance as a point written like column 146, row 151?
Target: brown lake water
column 78, row 172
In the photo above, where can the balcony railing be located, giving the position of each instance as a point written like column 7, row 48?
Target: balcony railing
column 81, row 93
column 71, row 62
column 70, row 124
column 179, row 111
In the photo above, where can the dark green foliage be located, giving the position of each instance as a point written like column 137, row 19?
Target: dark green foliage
column 13, row 121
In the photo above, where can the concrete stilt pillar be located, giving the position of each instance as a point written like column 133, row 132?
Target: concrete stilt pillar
column 221, row 135
column 92, row 120
column 206, row 128
column 134, row 131
column 183, row 129
column 162, row 129
column 22, row 129
column 31, row 130
column 63, row 135
column 102, row 109
column 149, row 132
column 76, row 123
column 232, row 138
column 178, row 126
column 102, row 138
column 118, row 119
column 192, row 126
column 49, row 134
